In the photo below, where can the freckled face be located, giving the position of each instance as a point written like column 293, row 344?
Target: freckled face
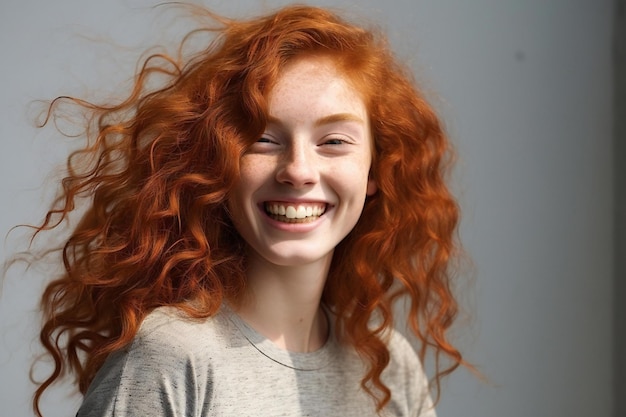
column 304, row 182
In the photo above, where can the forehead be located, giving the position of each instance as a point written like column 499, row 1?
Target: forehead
column 316, row 83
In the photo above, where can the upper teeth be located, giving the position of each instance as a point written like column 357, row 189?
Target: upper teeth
column 295, row 212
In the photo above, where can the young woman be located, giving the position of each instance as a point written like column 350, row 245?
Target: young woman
column 250, row 224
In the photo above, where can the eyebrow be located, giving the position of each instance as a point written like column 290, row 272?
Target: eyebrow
column 340, row 117
column 333, row 118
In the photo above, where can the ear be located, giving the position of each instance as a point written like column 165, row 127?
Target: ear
column 371, row 187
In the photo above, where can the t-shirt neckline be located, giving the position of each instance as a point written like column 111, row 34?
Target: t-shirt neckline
column 301, row 361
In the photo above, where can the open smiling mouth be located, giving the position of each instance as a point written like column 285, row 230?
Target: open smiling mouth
column 299, row 213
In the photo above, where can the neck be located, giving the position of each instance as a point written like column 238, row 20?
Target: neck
column 283, row 303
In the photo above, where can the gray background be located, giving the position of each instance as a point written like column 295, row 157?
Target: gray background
column 527, row 92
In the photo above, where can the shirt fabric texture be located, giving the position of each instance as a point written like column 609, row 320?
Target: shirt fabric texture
column 217, row 367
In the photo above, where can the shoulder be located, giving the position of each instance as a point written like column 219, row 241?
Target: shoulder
column 405, row 377
column 168, row 329
column 404, row 365
column 170, row 320
column 168, row 366
column 401, row 350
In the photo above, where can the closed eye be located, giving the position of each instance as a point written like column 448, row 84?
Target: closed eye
column 335, row 141
column 265, row 139
column 264, row 144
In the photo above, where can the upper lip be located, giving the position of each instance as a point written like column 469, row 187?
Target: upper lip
column 294, row 202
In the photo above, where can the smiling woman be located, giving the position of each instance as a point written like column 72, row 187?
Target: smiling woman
column 250, row 225
column 315, row 153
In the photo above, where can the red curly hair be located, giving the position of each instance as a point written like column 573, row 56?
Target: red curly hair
column 158, row 168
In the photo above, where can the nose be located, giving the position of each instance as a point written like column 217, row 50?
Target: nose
column 298, row 166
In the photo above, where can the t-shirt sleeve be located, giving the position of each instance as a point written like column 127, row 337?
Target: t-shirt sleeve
column 155, row 376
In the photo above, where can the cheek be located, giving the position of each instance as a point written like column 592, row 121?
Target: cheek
column 364, row 165
column 251, row 167
column 353, row 178
column 253, row 173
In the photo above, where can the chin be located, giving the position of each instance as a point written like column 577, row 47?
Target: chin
column 293, row 257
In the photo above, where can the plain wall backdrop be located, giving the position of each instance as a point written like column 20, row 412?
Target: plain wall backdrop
column 525, row 88
column 619, row 186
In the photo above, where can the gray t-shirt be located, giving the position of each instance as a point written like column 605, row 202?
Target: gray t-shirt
column 220, row 366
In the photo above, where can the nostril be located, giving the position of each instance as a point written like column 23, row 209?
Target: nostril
column 298, row 166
